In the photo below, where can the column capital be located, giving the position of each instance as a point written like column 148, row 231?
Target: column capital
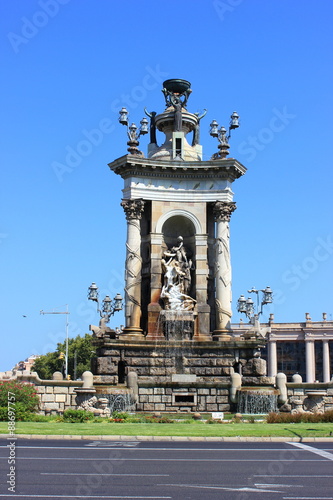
column 133, row 208
column 222, row 210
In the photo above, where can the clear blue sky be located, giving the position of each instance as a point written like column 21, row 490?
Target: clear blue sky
column 67, row 68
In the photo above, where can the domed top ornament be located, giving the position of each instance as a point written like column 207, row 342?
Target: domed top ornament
column 174, row 89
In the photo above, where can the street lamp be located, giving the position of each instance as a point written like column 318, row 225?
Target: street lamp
column 246, row 306
column 109, row 306
column 133, row 132
column 221, row 134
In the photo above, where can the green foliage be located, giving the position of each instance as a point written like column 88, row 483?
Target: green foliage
column 139, row 419
column 120, row 415
column 51, row 362
column 76, row 416
column 3, row 413
column 23, row 395
column 295, row 418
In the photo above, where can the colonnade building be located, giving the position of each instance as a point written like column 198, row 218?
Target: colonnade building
column 305, row 348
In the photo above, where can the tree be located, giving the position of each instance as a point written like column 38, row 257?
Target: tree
column 51, row 362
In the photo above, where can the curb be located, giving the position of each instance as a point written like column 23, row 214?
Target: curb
column 169, row 438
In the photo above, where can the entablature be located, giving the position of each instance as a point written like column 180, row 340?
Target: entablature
column 136, row 166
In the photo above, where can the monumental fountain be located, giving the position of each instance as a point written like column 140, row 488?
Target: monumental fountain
column 177, row 350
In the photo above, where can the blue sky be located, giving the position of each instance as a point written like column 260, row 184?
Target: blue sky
column 68, row 67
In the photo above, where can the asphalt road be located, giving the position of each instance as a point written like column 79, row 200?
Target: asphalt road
column 158, row 470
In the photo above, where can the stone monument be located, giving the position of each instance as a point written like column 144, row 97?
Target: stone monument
column 177, row 337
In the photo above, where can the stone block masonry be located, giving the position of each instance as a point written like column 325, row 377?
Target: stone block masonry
column 173, row 397
column 55, row 396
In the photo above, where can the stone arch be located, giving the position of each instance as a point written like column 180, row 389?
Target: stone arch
column 181, row 214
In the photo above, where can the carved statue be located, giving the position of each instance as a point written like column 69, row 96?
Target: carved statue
column 177, row 104
column 101, row 330
column 176, row 268
column 152, row 117
column 196, row 130
column 170, row 96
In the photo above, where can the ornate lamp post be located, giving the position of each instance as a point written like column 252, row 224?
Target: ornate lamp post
column 133, row 132
column 109, row 306
column 246, row 306
column 222, row 136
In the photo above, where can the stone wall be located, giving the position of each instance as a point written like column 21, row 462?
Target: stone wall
column 56, row 396
column 186, row 398
column 158, row 361
column 313, row 398
column 56, row 399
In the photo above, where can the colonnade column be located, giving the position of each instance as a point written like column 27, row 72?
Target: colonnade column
column 133, row 211
column 326, row 361
column 272, row 357
column 310, row 360
column 222, row 212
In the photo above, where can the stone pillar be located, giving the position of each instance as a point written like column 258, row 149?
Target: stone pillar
column 133, row 210
column 222, row 212
column 310, row 360
column 326, row 361
column 272, row 357
column 201, row 272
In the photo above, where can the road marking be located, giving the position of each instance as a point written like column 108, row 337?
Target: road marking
column 285, row 475
column 317, row 451
column 97, row 474
column 14, row 495
column 259, row 485
column 171, row 459
column 307, row 498
column 86, row 447
column 122, row 444
column 225, row 488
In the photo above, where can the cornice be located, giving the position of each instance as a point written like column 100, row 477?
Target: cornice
column 135, row 166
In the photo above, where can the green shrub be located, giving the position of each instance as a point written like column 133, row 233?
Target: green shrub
column 120, row 415
column 23, row 395
column 3, row 413
column 77, row 416
column 19, row 398
column 295, row 418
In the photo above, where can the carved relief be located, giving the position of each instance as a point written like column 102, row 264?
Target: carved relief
column 133, row 208
column 222, row 210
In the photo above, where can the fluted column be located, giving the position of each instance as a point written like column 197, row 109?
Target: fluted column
column 310, row 360
column 222, row 212
column 133, row 211
column 326, row 361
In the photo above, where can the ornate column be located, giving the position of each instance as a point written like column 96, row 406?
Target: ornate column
column 310, row 360
column 133, row 211
column 326, row 361
column 272, row 357
column 222, row 212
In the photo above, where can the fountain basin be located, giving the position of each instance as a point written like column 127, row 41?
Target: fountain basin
column 257, row 400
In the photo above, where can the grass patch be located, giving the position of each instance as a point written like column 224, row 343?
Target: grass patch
column 193, row 429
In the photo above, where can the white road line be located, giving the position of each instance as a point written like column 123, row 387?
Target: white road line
column 259, row 485
column 185, row 459
column 290, row 475
column 317, row 451
column 89, row 447
column 97, row 474
column 86, row 448
column 225, row 488
column 14, row 495
column 307, row 498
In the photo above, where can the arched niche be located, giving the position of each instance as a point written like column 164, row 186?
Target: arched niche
column 178, row 223
column 182, row 217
